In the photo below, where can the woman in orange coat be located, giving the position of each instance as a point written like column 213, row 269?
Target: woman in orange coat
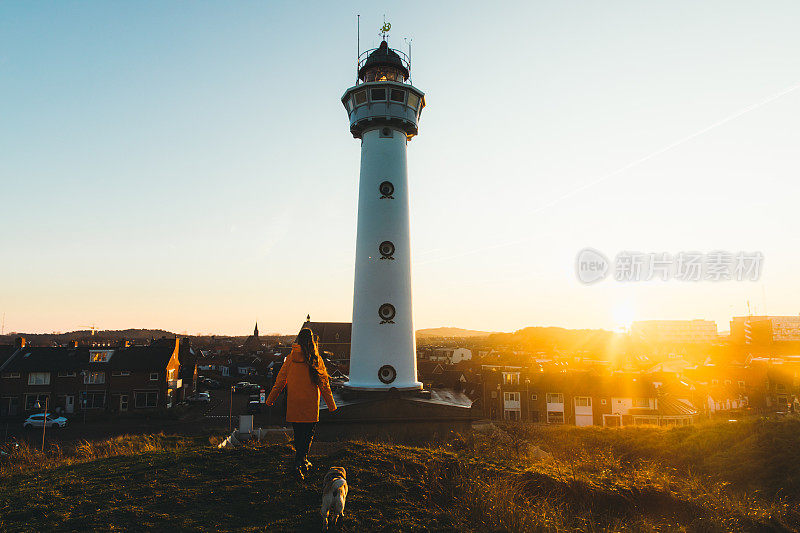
column 304, row 375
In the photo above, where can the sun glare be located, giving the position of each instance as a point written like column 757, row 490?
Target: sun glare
column 624, row 314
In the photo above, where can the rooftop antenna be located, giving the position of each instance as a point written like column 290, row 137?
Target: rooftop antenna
column 408, row 42
column 358, row 43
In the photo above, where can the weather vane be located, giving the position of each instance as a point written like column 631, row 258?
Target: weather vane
column 385, row 28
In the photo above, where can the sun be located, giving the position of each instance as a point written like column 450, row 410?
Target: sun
column 623, row 314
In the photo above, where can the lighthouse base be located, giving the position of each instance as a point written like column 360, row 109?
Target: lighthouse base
column 351, row 388
column 396, row 416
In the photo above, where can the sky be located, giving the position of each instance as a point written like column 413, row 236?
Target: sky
column 188, row 165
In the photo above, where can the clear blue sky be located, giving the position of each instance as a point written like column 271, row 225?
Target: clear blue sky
column 188, row 165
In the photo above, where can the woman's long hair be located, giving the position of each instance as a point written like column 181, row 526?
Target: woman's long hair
column 310, row 352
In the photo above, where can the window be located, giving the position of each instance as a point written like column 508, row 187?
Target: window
column 715, row 382
column 494, row 394
column 100, row 356
column 350, row 104
column 66, row 373
column 121, row 373
column 93, row 400
column 727, row 382
column 511, row 396
column 145, row 399
column 510, row 378
column 9, row 406
column 534, row 397
column 555, row 397
column 154, row 376
column 641, row 402
column 603, row 401
column 397, row 95
column 10, row 374
column 741, row 384
column 583, row 401
column 31, row 399
column 94, row 378
column 360, row 97
column 39, row 378
column 383, row 74
column 377, row 94
column 555, row 417
column 512, row 414
column 413, row 100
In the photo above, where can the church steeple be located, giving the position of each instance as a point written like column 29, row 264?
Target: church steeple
column 255, row 331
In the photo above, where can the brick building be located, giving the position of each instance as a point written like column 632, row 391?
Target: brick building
column 74, row 378
column 580, row 398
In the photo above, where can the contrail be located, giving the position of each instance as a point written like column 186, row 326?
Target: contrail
column 628, row 166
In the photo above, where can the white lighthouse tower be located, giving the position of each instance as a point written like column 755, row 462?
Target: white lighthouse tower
column 384, row 111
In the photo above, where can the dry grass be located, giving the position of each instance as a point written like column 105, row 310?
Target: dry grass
column 24, row 459
column 688, row 479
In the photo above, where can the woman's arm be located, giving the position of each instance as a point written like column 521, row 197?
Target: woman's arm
column 280, row 381
column 325, row 386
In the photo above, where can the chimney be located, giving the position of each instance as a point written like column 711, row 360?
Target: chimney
column 19, row 342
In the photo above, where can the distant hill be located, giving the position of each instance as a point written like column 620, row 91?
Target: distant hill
column 135, row 336
column 549, row 339
column 452, row 332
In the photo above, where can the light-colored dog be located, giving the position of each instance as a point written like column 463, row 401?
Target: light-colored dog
column 334, row 494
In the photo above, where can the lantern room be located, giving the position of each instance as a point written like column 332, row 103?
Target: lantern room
column 382, row 96
column 383, row 64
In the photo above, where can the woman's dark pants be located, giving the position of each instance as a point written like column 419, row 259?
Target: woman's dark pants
column 303, row 435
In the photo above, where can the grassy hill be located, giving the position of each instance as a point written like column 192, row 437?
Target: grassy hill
column 452, row 332
column 725, row 477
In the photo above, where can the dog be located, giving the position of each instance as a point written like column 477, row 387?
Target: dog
column 334, row 494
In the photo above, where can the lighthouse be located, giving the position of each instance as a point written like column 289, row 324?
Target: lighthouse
column 383, row 397
column 384, row 111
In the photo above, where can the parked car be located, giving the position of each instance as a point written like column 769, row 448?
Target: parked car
column 211, row 383
column 200, row 397
column 37, row 421
column 243, row 386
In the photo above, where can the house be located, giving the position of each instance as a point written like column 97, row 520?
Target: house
column 218, row 364
column 187, row 360
column 333, row 337
column 450, row 355
column 245, row 369
column 640, row 400
column 503, row 390
column 581, row 398
column 664, row 412
column 71, row 379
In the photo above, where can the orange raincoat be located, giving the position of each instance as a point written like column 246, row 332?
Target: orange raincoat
column 302, row 401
